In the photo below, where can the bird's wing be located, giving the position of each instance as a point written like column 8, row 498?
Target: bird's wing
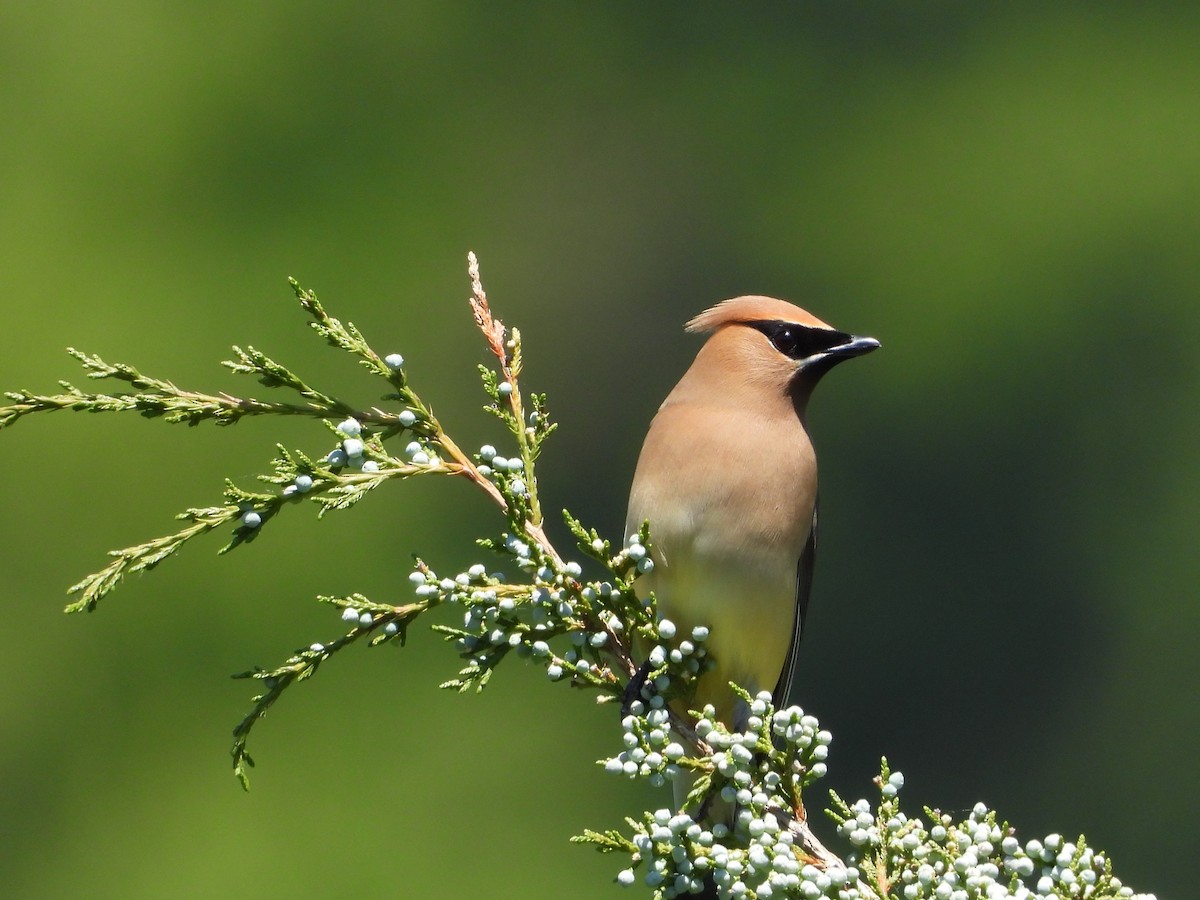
column 804, row 576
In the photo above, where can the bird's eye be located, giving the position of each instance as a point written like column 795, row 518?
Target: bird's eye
column 800, row 341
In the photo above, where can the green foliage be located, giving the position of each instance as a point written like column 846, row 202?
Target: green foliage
column 979, row 856
column 592, row 631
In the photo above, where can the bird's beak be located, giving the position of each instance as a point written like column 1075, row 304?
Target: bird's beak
column 856, row 346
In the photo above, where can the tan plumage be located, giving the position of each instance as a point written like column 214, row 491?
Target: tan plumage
column 727, row 478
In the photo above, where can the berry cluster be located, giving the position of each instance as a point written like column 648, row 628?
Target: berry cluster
column 978, row 858
column 757, row 856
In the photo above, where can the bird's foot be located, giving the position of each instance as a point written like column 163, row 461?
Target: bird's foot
column 633, row 690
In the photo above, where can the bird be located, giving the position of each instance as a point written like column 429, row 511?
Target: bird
column 727, row 479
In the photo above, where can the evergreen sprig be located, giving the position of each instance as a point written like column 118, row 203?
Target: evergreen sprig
column 592, row 631
column 380, row 622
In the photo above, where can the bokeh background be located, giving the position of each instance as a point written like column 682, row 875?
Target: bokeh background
column 1007, row 195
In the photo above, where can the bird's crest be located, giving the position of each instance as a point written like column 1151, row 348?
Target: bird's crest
column 752, row 309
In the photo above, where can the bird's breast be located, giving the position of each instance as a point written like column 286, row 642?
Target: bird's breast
column 729, row 484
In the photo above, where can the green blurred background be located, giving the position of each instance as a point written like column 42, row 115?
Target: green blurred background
column 1007, row 195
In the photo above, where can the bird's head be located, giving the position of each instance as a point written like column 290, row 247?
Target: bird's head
column 763, row 344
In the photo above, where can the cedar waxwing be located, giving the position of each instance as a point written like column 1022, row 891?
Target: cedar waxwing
column 727, row 478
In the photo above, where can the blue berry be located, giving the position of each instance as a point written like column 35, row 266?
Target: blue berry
column 304, row 483
column 394, row 360
column 407, row 418
column 251, row 519
column 350, row 428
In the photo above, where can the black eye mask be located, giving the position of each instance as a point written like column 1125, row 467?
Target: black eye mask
column 800, row 341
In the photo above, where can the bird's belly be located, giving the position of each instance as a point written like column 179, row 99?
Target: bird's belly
column 750, row 612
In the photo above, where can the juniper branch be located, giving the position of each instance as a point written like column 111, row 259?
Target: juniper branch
column 380, row 622
column 144, row 557
column 157, row 398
